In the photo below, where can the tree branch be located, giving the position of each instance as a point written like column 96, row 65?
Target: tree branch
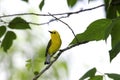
column 63, row 15
column 58, row 14
column 60, row 51
column 52, row 20
column 66, row 25
column 56, row 57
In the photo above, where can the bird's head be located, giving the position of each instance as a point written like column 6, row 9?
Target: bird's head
column 54, row 33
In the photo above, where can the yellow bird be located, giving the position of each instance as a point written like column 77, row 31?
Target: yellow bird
column 53, row 45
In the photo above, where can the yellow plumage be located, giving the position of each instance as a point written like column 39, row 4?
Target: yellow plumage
column 53, row 45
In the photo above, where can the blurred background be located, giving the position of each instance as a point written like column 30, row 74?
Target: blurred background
column 26, row 56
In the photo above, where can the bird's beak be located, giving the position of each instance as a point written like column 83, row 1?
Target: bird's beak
column 50, row 31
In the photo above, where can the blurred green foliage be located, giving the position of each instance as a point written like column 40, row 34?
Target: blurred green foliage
column 33, row 64
column 59, row 71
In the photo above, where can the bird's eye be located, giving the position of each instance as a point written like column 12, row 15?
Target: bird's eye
column 54, row 32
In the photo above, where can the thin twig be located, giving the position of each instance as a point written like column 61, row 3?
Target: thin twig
column 66, row 25
column 25, row 14
column 56, row 57
column 66, row 13
column 33, row 23
column 3, row 21
column 63, row 15
column 47, row 22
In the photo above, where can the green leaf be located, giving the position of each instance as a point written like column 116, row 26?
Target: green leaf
column 118, row 10
column 115, row 35
column 107, row 4
column 112, row 6
column 114, row 76
column 41, row 4
column 2, row 30
column 113, row 10
column 18, row 23
column 71, row 3
column 25, row 0
column 114, row 51
column 90, row 73
column 8, row 40
column 97, row 30
column 98, row 77
column 28, row 65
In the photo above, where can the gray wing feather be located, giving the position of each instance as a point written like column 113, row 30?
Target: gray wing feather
column 49, row 43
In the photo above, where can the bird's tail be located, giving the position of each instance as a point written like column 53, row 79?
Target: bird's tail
column 47, row 61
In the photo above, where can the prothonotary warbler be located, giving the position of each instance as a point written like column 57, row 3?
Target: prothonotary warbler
column 53, row 45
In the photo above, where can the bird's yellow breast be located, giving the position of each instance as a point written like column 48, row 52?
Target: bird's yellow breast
column 55, row 45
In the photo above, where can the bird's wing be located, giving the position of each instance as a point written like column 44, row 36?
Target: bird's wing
column 49, row 43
